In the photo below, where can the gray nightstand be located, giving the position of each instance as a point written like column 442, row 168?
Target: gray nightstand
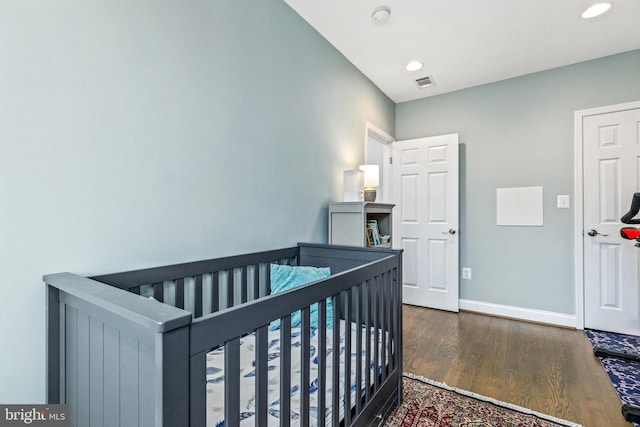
column 348, row 223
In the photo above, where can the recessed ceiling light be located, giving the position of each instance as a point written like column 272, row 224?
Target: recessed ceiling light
column 596, row 10
column 413, row 66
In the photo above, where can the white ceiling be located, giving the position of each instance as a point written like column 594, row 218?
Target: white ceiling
column 465, row 43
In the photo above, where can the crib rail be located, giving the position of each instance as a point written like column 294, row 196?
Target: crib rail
column 369, row 295
column 205, row 287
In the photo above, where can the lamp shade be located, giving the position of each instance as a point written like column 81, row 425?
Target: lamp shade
column 371, row 175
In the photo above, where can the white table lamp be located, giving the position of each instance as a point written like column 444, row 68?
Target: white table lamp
column 371, row 181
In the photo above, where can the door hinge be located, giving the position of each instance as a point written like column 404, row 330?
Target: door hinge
column 390, row 160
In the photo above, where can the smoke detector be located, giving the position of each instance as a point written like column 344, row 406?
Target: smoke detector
column 425, row 82
column 381, row 15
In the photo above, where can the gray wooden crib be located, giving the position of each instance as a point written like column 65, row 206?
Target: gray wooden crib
column 132, row 348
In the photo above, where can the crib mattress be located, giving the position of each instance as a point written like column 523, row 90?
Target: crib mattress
column 215, row 377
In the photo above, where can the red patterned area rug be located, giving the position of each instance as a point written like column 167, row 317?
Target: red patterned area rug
column 427, row 403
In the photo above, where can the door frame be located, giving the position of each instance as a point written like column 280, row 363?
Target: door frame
column 578, row 171
column 372, row 131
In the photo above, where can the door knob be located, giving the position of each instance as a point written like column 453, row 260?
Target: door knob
column 593, row 232
column 451, row 231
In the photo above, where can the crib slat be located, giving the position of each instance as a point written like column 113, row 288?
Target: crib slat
column 158, row 291
column 180, row 293
column 215, row 292
column 256, row 281
column 262, row 381
column 335, row 353
column 285, row 371
column 322, row 362
column 358, row 316
column 397, row 306
column 397, row 316
column 391, row 322
column 384, row 328
column 232, row 383
column 389, row 325
column 347, row 358
column 376, row 332
column 198, row 396
column 369, row 359
column 305, row 366
column 392, row 334
column 244, row 286
column 230, row 289
column 197, row 297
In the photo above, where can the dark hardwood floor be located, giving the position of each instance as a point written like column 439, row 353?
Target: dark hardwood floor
column 548, row 369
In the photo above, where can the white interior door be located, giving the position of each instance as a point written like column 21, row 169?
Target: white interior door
column 611, row 165
column 424, row 185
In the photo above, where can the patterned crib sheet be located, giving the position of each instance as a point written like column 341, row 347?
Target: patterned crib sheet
column 215, row 377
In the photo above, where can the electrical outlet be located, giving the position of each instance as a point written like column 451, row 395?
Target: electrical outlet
column 466, row 273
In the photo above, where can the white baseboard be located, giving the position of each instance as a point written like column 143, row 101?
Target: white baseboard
column 519, row 313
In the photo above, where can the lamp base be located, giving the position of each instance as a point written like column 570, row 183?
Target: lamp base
column 369, row 195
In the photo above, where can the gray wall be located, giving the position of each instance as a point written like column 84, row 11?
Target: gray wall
column 142, row 133
column 519, row 133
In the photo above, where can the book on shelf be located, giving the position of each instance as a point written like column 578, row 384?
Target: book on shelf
column 369, row 232
column 372, row 224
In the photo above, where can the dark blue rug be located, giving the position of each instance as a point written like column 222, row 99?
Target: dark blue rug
column 624, row 374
